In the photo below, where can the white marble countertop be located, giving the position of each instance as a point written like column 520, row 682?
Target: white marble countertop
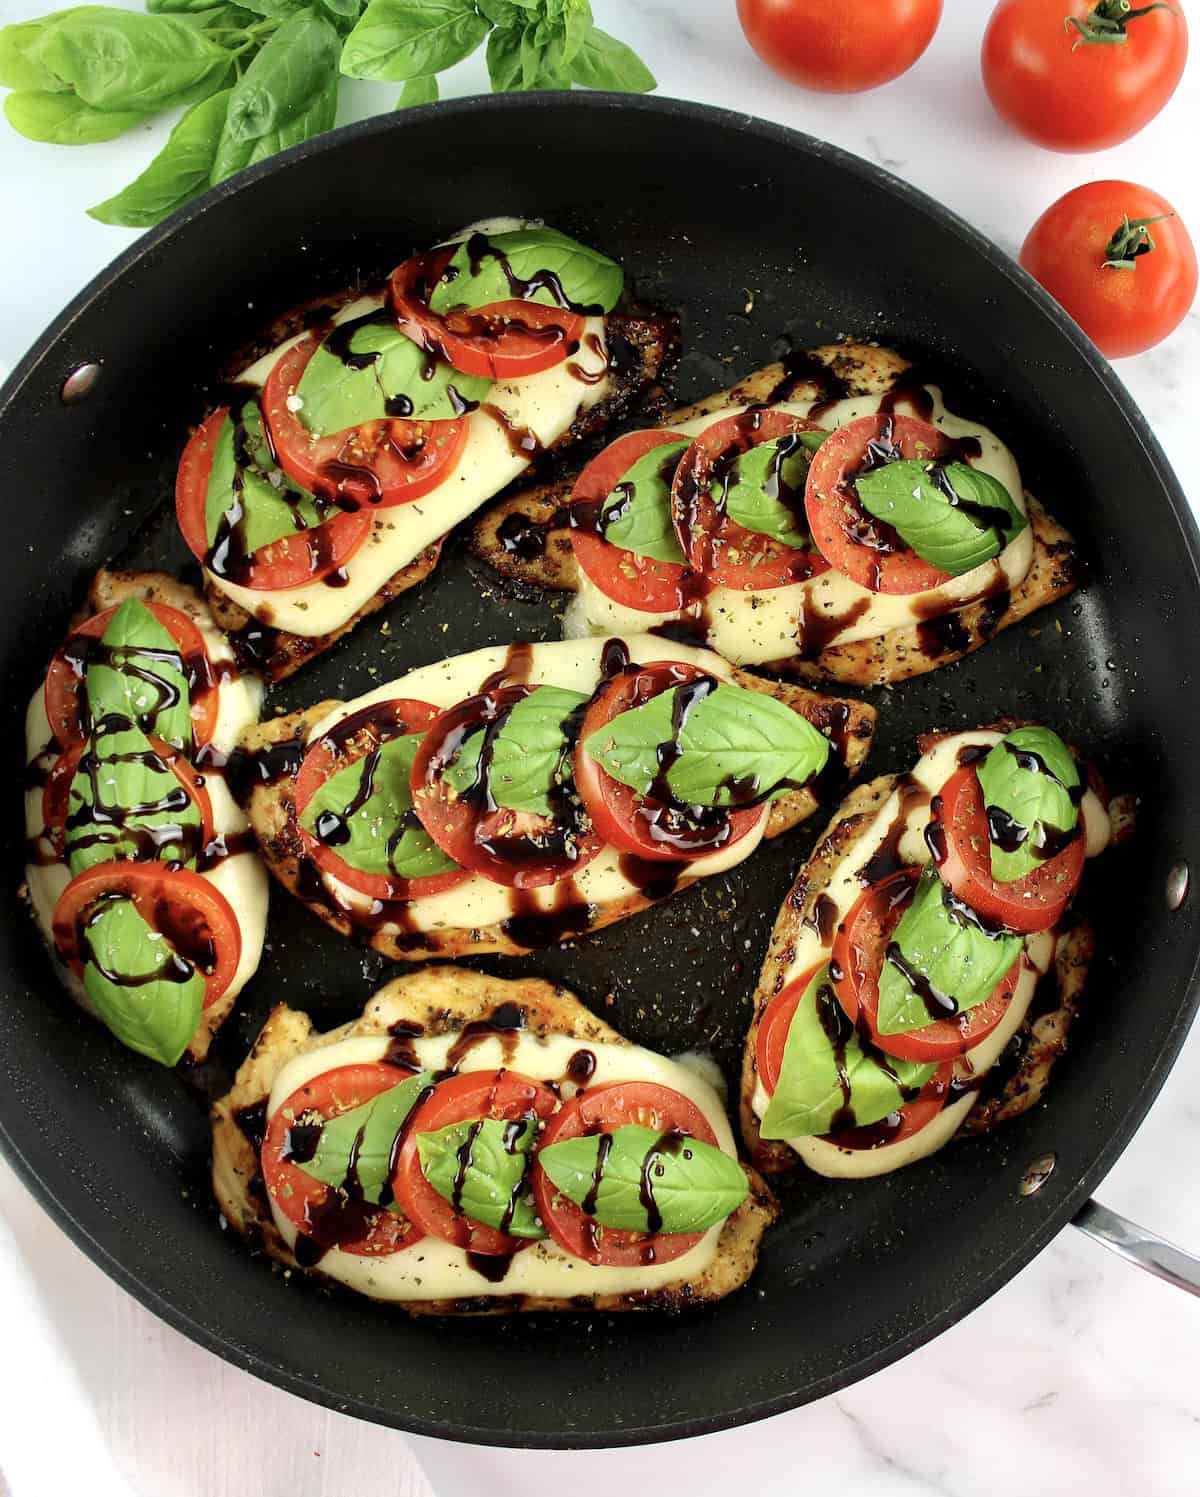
column 1079, row 1376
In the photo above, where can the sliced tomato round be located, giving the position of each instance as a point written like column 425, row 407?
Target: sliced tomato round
column 907, row 1120
column 521, row 849
column 330, row 1217
column 306, row 556
column 859, row 948
column 725, row 553
column 646, row 826
column 631, row 580
column 604, row 1109
column 869, row 551
column 187, row 909
column 331, row 753
column 63, row 691
column 506, row 1096
column 376, row 465
column 56, row 797
column 959, row 833
column 506, row 340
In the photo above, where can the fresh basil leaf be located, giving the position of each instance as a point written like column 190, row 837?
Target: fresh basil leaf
column 735, row 746
column 286, row 95
column 831, row 1077
column 482, row 1169
column 277, row 10
column 156, row 1015
column 198, row 8
column 244, row 480
column 1029, row 777
column 124, row 802
column 179, row 171
column 637, row 514
column 543, row 56
column 418, row 91
column 342, row 11
column 531, row 754
column 604, row 62
column 763, row 491
column 127, row 60
column 502, row 13
column 355, row 1148
column 518, row 257
column 17, row 68
column 383, row 836
column 504, row 58
column 944, row 948
column 61, row 119
column 691, row 1184
column 953, row 516
column 138, row 674
column 398, row 39
column 399, row 380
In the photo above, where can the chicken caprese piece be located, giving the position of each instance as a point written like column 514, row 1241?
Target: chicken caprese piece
column 828, row 517
column 475, row 1145
column 326, row 481
column 923, row 972
column 141, row 869
column 512, row 798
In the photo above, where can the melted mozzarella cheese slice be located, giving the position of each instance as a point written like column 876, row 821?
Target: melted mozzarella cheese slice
column 574, row 665
column 241, row 878
column 810, row 949
column 430, row 1269
column 540, row 407
column 771, row 624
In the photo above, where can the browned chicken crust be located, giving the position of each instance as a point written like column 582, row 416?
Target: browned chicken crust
column 444, row 1000
column 525, row 537
column 272, row 812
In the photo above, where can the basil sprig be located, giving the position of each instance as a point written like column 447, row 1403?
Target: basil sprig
column 531, row 754
column 119, row 774
column 512, row 264
column 953, row 516
column 763, row 490
column 386, row 375
column 1028, row 778
column 943, row 947
column 831, row 1076
column 735, row 746
column 245, row 479
column 637, row 514
column 137, row 673
column 482, row 1168
column 382, row 836
column 689, row 1184
column 260, row 76
column 152, row 1011
column 354, row 1149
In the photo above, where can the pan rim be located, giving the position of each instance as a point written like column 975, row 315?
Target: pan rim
column 1068, row 1200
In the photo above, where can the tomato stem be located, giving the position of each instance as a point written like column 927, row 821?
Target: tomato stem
column 1131, row 238
column 1105, row 23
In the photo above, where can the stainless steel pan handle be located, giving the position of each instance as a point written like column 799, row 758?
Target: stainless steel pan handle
column 1163, row 1259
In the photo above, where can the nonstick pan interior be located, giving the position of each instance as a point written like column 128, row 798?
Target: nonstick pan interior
column 709, row 212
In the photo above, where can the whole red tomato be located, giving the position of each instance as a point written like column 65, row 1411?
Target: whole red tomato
column 839, row 46
column 1081, row 75
column 1120, row 261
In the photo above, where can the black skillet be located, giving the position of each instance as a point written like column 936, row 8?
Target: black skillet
column 704, row 208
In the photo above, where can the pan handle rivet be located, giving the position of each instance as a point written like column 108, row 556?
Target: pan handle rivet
column 1177, row 884
column 1037, row 1173
column 79, row 384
